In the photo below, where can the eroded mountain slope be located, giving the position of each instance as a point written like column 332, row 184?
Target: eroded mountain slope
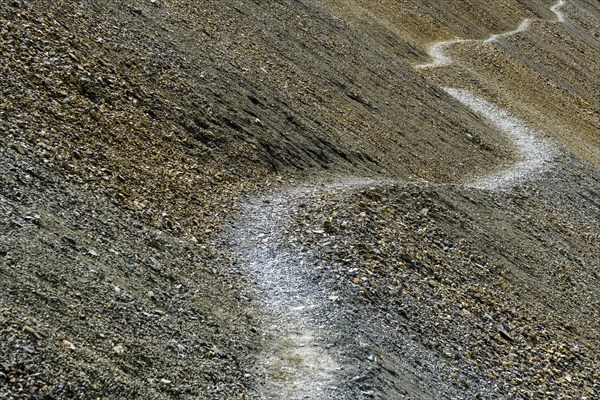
column 130, row 128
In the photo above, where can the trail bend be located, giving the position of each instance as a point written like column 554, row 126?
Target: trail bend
column 436, row 50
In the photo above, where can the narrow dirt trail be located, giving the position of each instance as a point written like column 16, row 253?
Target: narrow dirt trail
column 523, row 26
column 560, row 16
column 535, row 152
column 299, row 360
column 295, row 362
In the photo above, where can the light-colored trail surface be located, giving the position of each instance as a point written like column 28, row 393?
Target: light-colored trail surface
column 523, row 26
column 560, row 16
column 295, row 362
column 299, row 361
column 535, row 152
column 437, row 53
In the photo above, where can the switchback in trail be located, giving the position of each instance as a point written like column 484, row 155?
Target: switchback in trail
column 535, row 152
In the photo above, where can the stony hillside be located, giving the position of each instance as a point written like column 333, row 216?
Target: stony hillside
column 547, row 75
column 134, row 134
column 471, row 293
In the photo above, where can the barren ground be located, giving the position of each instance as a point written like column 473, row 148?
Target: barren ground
column 316, row 199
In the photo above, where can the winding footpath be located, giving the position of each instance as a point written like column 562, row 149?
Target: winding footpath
column 535, row 152
column 299, row 360
column 437, row 50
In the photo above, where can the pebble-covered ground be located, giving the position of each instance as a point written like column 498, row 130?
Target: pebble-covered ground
column 95, row 303
column 502, row 287
column 131, row 131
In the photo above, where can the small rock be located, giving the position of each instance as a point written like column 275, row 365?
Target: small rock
column 19, row 4
column 18, row 148
column 33, row 218
column 32, row 332
column 433, row 283
column 154, row 244
column 504, row 333
column 119, row 349
column 217, row 352
column 28, row 349
column 70, row 240
column 66, row 344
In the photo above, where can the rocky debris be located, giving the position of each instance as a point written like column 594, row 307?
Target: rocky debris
column 77, row 318
column 479, row 280
column 129, row 129
column 174, row 108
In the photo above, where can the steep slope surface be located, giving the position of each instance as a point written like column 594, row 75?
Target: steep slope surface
column 467, row 293
column 460, row 292
column 547, row 73
column 130, row 128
